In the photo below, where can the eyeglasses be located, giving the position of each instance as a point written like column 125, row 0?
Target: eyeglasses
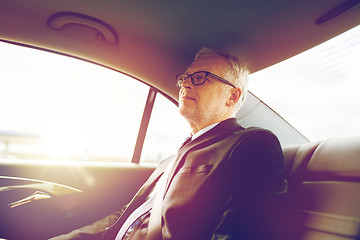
column 198, row 78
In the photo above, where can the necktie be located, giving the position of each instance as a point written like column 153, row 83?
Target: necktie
column 187, row 140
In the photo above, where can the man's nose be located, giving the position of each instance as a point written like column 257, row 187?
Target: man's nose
column 187, row 83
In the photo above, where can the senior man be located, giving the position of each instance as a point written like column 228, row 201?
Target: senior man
column 215, row 186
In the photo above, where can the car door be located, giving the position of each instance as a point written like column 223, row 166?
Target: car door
column 77, row 141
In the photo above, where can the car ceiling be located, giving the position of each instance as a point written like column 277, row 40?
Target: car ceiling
column 157, row 39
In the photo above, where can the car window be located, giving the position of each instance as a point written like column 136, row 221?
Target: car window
column 316, row 91
column 55, row 107
column 166, row 132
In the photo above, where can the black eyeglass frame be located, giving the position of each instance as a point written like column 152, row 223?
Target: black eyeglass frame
column 180, row 81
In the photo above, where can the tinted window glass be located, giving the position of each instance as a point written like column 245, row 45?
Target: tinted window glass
column 317, row 91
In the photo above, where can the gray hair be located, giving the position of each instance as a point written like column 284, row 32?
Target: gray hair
column 238, row 72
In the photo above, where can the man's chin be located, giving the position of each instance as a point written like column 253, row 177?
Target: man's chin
column 187, row 112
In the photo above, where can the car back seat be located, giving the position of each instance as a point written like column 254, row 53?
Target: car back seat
column 323, row 197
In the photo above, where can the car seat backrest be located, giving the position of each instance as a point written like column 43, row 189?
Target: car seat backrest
column 323, row 198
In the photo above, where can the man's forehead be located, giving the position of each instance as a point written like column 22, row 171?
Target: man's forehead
column 209, row 63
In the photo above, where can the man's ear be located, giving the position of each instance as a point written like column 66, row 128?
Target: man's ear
column 235, row 94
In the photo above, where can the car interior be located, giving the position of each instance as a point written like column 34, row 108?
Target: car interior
column 323, row 190
column 150, row 43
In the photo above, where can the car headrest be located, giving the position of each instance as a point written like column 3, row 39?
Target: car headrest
column 332, row 159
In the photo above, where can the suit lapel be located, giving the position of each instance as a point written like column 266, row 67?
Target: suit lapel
column 219, row 132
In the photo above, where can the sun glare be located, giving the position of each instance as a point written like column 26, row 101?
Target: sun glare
column 72, row 108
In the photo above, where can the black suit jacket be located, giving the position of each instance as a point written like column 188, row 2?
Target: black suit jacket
column 217, row 188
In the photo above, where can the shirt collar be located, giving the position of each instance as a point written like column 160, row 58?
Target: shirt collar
column 204, row 130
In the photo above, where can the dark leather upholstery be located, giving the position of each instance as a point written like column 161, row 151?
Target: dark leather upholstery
column 323, row 197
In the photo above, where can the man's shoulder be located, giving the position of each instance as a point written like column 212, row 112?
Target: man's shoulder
column 253, row 131
column 231, row 132
column 255, row 138
column 232, row 125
